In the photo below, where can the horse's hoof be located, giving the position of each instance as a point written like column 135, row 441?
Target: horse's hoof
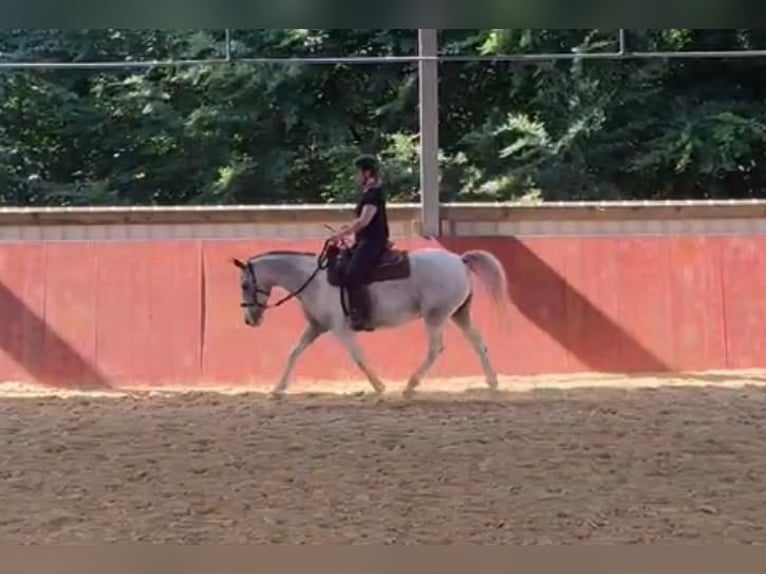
column 408, row 394
column 369, row 398
column 276, row 395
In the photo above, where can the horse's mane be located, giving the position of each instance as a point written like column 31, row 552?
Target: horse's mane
column 285, row 252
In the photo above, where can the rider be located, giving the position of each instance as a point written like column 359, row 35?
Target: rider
column 371, row 239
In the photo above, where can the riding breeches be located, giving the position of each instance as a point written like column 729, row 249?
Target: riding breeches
column 363, row 260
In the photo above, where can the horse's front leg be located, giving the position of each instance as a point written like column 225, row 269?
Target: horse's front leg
column 348, row 338
column 311, row 334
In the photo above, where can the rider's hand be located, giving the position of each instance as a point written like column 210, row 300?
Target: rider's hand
column 336, row 237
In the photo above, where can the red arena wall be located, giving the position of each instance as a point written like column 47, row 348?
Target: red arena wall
column 108, row 299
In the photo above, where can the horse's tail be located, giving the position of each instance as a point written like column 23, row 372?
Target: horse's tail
column 491, row 273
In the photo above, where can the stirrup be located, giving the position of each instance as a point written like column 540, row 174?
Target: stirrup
column 360, row 324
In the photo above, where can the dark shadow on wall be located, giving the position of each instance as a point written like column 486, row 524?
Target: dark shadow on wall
column 546, row 299
column 42, row 353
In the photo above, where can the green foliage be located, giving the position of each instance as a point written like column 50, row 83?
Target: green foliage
column 247, row 133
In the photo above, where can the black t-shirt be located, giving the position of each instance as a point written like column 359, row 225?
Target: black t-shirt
column 377, row 230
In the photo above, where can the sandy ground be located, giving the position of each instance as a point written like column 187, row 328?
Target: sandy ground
column 580, row 460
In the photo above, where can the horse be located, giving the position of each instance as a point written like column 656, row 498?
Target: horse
column 431, row 284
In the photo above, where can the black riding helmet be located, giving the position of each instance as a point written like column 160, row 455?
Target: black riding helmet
column 367, row 163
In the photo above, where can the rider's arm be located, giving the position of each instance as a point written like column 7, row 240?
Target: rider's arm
column 368, row 212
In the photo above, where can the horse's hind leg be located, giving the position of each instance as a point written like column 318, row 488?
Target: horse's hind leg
column 435, row 348
column 462, row 318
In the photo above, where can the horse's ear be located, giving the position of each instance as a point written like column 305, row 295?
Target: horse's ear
column 238, row 264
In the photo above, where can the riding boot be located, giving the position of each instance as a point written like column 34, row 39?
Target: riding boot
column 365, row 307
column 359, row 311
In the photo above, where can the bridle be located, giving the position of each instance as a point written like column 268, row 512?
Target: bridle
column 256, row 290
column 322, row 262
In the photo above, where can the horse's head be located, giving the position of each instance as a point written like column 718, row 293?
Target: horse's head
column 255, row 297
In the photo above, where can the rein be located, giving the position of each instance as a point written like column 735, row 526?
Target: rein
column 322, row 262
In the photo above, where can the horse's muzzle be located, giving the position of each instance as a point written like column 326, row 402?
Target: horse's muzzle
column 256, row 321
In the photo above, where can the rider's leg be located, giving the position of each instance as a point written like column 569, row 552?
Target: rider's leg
column 361, row 264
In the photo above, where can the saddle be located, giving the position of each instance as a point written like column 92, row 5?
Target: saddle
column 393, row 265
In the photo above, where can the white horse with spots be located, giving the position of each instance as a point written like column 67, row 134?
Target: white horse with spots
column 436, row 287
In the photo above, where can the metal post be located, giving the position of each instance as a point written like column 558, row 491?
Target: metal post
column 623, row 42
column 428, row 78
column 228, row 44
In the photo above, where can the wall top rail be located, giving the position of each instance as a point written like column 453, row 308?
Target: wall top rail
column 157, row 215
column 332, row 214
column 605, row 211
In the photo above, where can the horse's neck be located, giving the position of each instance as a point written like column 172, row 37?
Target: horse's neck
column 289, row 273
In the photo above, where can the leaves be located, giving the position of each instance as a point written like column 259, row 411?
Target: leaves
column 260, row 133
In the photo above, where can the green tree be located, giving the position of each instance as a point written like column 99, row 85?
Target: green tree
column 286, row 133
